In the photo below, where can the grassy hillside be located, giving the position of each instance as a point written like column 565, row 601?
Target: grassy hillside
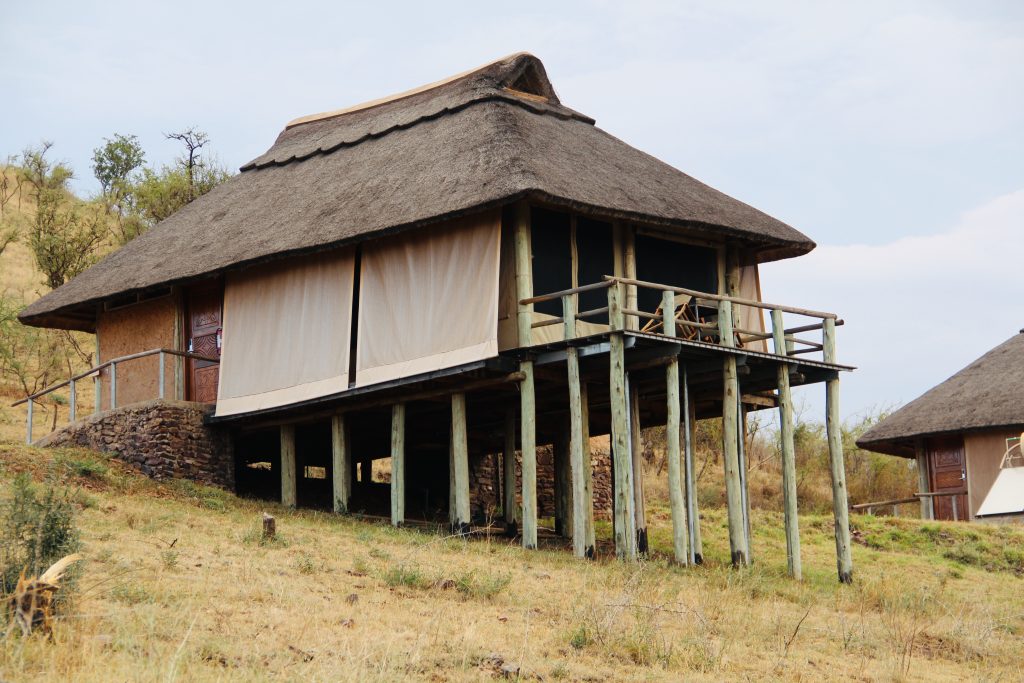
column 176, row 586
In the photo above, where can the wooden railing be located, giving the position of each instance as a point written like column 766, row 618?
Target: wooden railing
column 94, row 373
column 869, row 508
column 719, row 328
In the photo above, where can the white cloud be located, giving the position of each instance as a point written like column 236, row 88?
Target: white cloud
column 917, row 309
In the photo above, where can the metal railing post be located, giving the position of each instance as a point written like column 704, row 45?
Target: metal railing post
column 72, row 402
column 97, row 386
column 954, row 499
column 113, row 385
column 162, row 364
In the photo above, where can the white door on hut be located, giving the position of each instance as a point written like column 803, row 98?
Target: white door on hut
column 282, row 326
column 428, row 299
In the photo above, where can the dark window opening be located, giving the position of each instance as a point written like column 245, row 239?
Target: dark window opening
column 552, row 257
column 595, row 253
column 668, row 262
column 313, row 457
column 258, row 464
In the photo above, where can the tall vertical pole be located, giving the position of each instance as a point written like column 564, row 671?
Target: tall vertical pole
column 741, row 439
column 833, row 429
column 508, row 460
column 524, row 319
column 730, row 422
column 692, row 506
column 341, row 470
column 625, row 531
column 680, row 530
column 637, row 452
column 629, row 270
column 578, row 463
column 461, row 452
column 398, row 464
column 97, row 382
column 588, row 473
column 789, row 498
column 289, row 492
column 923, row 484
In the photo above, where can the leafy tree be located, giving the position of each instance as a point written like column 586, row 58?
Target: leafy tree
column 63, row 235
column 114, row 165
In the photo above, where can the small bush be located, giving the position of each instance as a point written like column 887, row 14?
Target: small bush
column 404, row 575
column 37, row 528
column 475, row 585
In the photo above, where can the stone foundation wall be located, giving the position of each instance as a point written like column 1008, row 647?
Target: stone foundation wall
column 485, row 490
column 161, row 438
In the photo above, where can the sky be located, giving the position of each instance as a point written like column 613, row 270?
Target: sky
column 891, row 133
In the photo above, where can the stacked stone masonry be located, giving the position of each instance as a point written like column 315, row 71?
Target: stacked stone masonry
column 162, row 439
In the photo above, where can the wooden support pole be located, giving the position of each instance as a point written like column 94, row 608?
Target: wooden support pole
column 563, row 482
column 730, row 422
column 629, row 270
column 289, row 492
column 452, row 514
column 741, row 438
column 587, row 505
column 923, row 483
column 833, row 429
column 692, row 504
column 636, row 448
column 625, row 531
column 341, row 471
column 398, row 464
column 460, row 449
column 579, row 460
column 510, row 505
column 789, row 498
column 527, row 411
column 677, row 503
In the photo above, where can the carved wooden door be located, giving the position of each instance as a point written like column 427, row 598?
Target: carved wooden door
column 204, row 329
column 948, row 467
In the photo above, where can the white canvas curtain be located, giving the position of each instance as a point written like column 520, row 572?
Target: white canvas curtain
column 286, row 332
column 429, row 299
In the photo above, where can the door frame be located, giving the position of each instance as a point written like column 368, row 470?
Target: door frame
column 215, row 284
column 933, row 447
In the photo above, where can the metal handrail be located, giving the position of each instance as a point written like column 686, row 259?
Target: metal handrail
column 95, row 374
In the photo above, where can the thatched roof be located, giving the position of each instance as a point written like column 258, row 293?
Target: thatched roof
column 984, row 395
column 484, row 138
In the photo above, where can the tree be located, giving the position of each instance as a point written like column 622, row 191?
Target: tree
column 114, row 165
column 160, row 193
column 63, row 235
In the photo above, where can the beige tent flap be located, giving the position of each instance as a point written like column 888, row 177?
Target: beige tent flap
column 286, row 332
column 429, row 299
column 749, row 317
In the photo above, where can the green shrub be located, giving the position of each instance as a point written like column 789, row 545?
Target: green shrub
column 37, row 528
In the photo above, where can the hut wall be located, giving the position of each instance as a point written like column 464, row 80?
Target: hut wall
column 131, row 329
column 984, row 452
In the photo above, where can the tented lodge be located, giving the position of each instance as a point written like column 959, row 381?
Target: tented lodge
column 966, row 436
column 469, row 269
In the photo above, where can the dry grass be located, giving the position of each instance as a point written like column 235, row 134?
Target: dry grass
column 177, row 586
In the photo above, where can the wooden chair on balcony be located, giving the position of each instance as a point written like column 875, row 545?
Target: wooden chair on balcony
column 683, row 312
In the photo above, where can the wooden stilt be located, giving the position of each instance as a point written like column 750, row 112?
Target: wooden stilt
column 398, row 464
column 789, row 499
column 637, row 454
column 579, row 454
column 510, row 506
column 452, row 511
column 833, row 429
column 563, row 483
column 741, row 440
column 680, row 530
column 289, row 492
column 460, row 448
column 588, row 475
column 692, row 504
column 341, row 470
column 527, row 411
column 923, row 483
column 730, row 420
column 625, row 531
